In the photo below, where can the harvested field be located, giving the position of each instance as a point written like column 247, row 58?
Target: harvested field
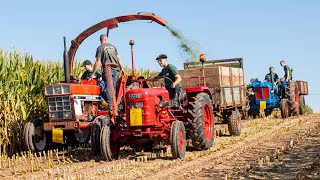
column 267, row 149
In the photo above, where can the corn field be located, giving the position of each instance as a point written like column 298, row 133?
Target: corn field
column 22, row 82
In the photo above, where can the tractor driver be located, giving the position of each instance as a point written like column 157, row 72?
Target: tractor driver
column 275, row 76
column 87, row 74
column 170, row 71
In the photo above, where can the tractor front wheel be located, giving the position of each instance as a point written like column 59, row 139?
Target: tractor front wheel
column 95, row 136
column 109, row 148
column 201, row 121
column 284, row 108
column 178, row 140
column 35, row 138
column 234, row 123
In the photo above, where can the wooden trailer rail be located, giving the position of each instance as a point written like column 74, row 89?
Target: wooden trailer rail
column 232, row 62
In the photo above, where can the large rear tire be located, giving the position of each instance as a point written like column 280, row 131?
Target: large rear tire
column 178, row 140
column 234, row 123
column 284, row 108
column 201, row 121
column 34, row 136
column 302, row 109
column 109, row 148
column 293, row 98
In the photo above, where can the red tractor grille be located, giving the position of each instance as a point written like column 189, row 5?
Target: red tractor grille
column 262, row 93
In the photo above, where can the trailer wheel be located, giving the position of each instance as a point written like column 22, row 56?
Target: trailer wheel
column 301, row 105
column 234, row 123
column 95, row 136
column 201, row 121
column 178, row 140
column 109, row 148
column 293, row 98
column 284, row 108
column 34, row 136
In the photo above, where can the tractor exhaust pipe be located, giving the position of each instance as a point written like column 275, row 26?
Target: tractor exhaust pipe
column 131, row 43
column 66, row 62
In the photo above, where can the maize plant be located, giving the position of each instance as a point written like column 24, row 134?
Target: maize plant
column 22, row 82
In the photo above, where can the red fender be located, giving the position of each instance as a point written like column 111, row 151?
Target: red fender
column 109, row 24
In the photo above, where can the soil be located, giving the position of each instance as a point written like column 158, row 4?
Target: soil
column 269, row 148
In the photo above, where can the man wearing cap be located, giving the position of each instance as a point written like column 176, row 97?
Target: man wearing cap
column 106, row 53
column 170, row 72
column 87, row 74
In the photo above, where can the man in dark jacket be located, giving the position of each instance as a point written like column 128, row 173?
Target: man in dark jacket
column 275, row 76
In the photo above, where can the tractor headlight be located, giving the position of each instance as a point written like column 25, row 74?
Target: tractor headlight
column 53, row 115
column 139, row 104
column 67, row 115
column 131, row 104
column 163, row 104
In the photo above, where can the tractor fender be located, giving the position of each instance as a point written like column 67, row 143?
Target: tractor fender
column 193, row 91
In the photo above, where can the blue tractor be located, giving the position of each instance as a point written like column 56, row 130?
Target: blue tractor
column 266, row 96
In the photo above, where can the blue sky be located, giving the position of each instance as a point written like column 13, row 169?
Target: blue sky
column 261, row 32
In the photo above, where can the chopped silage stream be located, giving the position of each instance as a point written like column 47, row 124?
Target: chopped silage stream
column 230, row 156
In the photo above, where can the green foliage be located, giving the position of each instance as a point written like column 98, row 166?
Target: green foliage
column 308, row 109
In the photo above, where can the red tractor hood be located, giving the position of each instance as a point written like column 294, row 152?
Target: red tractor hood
column 146, row 93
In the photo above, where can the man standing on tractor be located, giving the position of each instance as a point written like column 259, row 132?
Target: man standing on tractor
column 275, row 76
column 107, row 53
column 287, row 71
column 172, row 79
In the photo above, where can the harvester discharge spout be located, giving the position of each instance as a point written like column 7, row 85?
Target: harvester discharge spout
column 109, row 24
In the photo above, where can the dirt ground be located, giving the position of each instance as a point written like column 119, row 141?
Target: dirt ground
column 267, row 149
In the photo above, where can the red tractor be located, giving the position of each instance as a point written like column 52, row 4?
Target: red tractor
column 74, row 114
column 150, row 119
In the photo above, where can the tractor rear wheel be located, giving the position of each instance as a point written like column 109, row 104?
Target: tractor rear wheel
column 201, row 121
column 284, row 108
column 301, row 105
column 293, row 98
column 234, row 123
column 35, row 138
column 109, row 148
column 178, row 140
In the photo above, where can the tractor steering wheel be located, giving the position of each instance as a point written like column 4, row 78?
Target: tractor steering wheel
column 157, row 78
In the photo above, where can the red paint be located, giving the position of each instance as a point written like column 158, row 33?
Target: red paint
column 207, row 121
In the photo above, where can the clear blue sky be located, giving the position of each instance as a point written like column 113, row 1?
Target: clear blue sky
column 261, row 32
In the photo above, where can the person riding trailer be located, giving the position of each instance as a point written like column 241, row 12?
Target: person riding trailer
column 172, row 80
